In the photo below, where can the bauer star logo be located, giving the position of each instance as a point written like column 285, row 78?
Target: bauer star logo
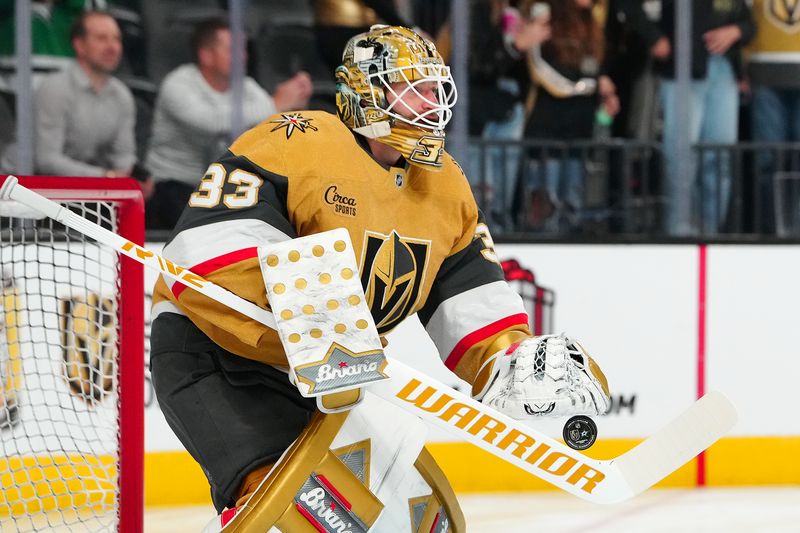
column 293, row 121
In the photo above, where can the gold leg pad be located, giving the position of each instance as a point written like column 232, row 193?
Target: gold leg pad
column 309, row 486
column 442, row 499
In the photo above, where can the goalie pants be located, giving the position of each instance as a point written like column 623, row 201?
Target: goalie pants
column 232, row 414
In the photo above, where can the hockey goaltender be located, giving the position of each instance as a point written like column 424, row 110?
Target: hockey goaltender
column 272, row 458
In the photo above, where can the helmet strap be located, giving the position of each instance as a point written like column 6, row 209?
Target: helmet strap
column 376, row 130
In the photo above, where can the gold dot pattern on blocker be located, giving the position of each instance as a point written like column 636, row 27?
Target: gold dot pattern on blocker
column 324, row 278
column 316, row 333
column 317, row 250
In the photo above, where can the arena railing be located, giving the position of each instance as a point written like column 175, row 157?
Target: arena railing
column 614, row 189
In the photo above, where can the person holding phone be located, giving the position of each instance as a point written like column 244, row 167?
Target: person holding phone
column 498, row 89
column 571, row 87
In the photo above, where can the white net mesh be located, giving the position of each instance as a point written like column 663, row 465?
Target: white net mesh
column 59, row 417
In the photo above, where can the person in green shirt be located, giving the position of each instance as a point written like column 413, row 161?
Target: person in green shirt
column 50, row 26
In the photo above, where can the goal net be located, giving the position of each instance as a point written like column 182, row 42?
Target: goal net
column 71, row 363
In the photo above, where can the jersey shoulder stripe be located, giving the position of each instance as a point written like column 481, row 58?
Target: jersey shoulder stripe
column 202, row 244
column 454, row 357
column 459, row 273
column 215, row 264
column 458, row 323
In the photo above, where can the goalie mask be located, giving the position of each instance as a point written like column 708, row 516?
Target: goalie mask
column 383, row 68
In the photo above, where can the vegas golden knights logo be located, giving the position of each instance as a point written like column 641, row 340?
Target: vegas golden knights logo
column 392, row 274
column 89, row 344
column 784, row 13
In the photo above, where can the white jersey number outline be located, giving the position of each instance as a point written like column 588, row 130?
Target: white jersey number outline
column 209, row 192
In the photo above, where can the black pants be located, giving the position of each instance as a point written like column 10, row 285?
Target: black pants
column 232, row 414
column 167, row 203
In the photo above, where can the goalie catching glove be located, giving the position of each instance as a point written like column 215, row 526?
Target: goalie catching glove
column 549, row 375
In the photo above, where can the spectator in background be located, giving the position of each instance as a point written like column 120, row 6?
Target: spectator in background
column 50, row 26
column 630, row 66
column 335, row 21
column 85, row 117
column 774, row 69
column 571, row 90
column 500, row 37
column 51, row 51
column 51, row 22
column 192, row 119
column 719, row 30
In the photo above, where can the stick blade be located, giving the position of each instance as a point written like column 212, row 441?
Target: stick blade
column 697, row 428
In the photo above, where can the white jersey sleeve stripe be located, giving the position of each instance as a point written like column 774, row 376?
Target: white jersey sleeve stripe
column 197, row 245
column 164, row 307
column 458, row 317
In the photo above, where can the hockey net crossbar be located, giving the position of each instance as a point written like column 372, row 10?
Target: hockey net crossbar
column 71, row 362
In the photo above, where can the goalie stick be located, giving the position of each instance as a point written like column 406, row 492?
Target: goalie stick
column 607, row 481
column 12, row 190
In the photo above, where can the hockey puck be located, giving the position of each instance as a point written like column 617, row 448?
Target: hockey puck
column 580, row 432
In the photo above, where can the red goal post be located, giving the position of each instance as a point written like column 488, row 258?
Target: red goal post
column 71, row 363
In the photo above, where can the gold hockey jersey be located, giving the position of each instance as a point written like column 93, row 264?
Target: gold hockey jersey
column 418, row 236
column 778, row 23
column 773, row 56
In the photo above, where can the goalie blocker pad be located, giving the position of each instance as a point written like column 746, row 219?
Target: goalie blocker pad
column 350, row 471
column 325, row 326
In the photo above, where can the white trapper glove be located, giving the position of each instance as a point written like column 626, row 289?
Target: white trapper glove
column 550, row 375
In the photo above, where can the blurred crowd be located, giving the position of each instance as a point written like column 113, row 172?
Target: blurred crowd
column 142, row 88
column 573, row 74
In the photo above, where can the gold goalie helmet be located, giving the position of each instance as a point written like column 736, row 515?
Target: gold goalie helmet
column 394, row 61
